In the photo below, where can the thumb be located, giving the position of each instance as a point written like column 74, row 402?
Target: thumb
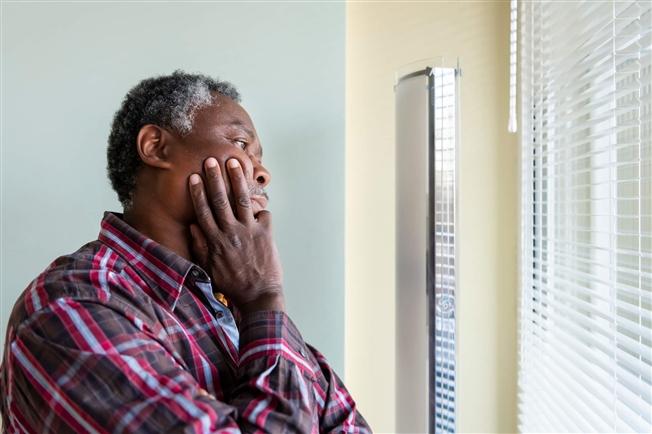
column 199, row 245
column 264, row 217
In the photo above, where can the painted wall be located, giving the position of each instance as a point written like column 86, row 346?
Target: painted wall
column 382, row 37
column 65, row 70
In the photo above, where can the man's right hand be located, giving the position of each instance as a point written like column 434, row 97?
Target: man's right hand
column 237, row 248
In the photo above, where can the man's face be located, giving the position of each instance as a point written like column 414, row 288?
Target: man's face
column 223, row 130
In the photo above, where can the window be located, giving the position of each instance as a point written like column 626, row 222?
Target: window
column 442, row 244
column 585, row 329
column 427, row 136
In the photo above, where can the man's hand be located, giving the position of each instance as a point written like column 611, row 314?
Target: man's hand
column 237, row 248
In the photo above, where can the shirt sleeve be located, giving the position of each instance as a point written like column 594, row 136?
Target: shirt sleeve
column 336, row 411
column 80, row 366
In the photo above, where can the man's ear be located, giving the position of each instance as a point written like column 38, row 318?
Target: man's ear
column 152, row 146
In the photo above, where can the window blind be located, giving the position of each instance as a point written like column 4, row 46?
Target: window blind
column 585, row 308
column 513, row 54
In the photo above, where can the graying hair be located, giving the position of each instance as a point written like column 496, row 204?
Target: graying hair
column 169, row 101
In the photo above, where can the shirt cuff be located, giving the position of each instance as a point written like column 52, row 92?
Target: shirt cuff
column 270, row 334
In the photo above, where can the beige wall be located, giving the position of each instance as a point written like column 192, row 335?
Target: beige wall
column 382, row 37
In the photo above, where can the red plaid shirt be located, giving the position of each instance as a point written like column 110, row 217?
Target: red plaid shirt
column 121, row 336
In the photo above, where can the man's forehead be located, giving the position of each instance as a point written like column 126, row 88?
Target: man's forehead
column 226, row 112
column 244, row 126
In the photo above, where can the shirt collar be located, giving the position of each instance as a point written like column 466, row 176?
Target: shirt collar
column 162, row 269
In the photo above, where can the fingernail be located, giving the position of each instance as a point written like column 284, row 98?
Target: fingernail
column 194, row 179
column 211, row 162
column 233, row 163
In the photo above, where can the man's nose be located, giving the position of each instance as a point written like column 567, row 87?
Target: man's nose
column 261, row 175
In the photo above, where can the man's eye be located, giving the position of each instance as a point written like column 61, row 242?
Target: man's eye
column 240, row 143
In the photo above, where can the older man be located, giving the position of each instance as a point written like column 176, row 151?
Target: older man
column 173, row 320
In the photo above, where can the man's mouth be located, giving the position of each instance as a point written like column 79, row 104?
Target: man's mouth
column 258, row 203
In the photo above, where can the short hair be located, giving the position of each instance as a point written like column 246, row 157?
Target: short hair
column 169, row 101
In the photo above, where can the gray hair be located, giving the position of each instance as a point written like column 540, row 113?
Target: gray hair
column 169, row 101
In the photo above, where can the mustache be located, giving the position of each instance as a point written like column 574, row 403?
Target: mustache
column 255, row 190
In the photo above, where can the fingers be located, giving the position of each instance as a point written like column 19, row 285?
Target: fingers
column 200, row 203
column 264, row 218
column 243, row 209
column 199, row 244
column 211, row 199
column 217, row 196
column 198, row 238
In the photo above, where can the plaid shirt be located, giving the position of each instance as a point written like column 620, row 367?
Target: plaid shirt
column 123, row 336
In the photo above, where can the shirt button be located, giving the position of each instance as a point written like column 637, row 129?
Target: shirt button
column 194, row 273
column 219, row 314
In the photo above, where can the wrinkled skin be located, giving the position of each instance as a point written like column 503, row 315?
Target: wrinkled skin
column 233, row 243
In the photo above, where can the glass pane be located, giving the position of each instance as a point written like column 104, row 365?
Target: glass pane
column 442, row 280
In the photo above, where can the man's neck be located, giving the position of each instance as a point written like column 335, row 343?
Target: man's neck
column 160, row 227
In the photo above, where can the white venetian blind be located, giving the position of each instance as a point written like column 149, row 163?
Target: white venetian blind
column 585, row 320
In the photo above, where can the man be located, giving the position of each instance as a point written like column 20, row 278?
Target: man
column 173, row 320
